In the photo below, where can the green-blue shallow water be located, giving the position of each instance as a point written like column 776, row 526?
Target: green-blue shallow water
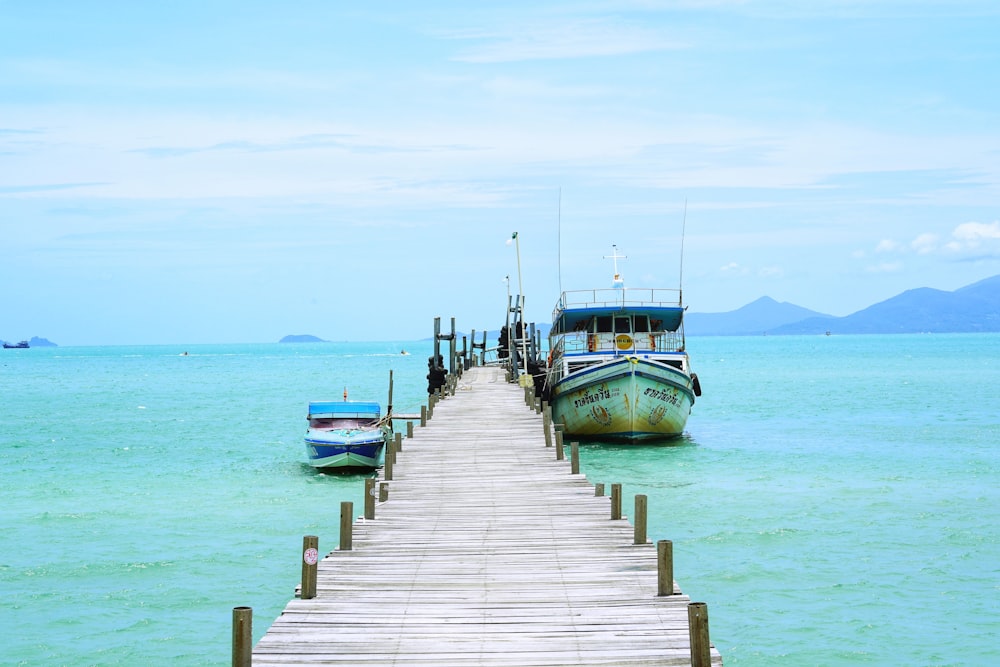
column 835, row 500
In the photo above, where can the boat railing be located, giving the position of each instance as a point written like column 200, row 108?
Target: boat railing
column 582, row 342
column 634, row 297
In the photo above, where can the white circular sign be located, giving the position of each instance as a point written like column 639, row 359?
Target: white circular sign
column 310, row 556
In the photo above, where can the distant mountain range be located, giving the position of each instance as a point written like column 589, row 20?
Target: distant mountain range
column 974, row 308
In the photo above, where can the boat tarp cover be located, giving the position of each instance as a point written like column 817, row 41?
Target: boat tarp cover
column 670, row 316
column 345, row 409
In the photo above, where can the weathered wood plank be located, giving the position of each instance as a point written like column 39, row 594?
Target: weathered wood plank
column 488, row 552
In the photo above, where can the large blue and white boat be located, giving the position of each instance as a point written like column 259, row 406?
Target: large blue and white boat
column 346, row 435
column 618, row 368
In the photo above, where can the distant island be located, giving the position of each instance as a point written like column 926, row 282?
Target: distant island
column 971, row 309
column 302, row 338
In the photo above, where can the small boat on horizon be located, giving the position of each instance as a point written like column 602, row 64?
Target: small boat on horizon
column 618, row 368
column 23, row 345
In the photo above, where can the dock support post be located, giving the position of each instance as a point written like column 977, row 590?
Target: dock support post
column 370, row 498
column 547, row 425
column 242, row 636
column 616, row 502
column 639, row 529
column 701, row 649
column 409, row 429
column 387, row 463
column 574, row 457
column 346, row 525
column 599, row 489
column 398, row 441
column 664, row 568
column 423, row 415
column 310, row 555
column 559, row 446
column 383, row 492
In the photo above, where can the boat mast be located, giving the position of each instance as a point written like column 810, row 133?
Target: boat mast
column 680, row 280
column 617, row 282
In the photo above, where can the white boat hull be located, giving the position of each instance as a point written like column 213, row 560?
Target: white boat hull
column 629, row 398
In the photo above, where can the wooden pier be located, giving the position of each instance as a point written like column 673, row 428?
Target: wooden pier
column 487, row 551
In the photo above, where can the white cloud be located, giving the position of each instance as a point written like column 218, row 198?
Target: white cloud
column 579, row 38
column 925, row 244
column 887, row 245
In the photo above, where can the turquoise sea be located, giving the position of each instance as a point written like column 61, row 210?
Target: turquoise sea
column 835, row 501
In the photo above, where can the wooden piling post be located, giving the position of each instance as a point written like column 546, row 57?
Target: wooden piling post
column 398, row 441
column 547, row 425
column 387, row 459
column 383, row 492
column 574, row 458
column 639, row 520
column 701, row 649
column 599, row 489
column 616, row 502
column 370, row 498
column 423, row 415
column 242, row 636
column 664, row 568
column 346, row 525
column 310, row 556
column 559, row 446
column 409, row 429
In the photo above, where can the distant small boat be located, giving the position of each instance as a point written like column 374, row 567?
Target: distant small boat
column 346, row 435
column 23, row 345
column 403, row 352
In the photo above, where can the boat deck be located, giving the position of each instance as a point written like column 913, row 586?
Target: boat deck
column 487, row 552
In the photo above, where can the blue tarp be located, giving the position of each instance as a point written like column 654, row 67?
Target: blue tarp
column 345, row 409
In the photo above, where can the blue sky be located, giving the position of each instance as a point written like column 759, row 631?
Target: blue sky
column 202, row 172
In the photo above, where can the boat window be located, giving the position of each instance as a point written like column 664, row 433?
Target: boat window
column 641, row 323
column 622, row 325
column 604, row 324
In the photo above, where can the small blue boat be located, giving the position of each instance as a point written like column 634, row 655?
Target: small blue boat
column 346, row 435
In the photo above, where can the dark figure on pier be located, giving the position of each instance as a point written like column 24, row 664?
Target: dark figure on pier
column 436, row 374
column 503, row 350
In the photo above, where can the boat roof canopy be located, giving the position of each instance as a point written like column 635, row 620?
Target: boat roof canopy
column 345, row 409
column 670, row 316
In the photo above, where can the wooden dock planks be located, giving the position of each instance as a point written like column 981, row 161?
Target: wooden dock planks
column 488, row 552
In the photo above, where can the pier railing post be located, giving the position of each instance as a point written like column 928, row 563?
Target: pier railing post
column 599, row 489
column 616, row 502
column 559, row 446
column 242, row 636
column 310, row 556
column 383, row 492
column 398, row 441
column 409, row 429
column 346, row 525
column 639, row 527
column 547, row 425
column 701, row 649
column 387, row 459
column 664, row 567
column 574, row 457
column 423, row 415
column 370, row 498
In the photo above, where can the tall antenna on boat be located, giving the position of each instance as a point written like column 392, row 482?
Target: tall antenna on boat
column 680, row 282
column 559, row 242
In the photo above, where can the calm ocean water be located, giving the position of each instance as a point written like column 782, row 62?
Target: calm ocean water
column 835, row 501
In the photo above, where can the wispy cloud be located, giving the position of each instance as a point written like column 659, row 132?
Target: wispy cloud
column 343, row 142
column 46, row 187
column 560, row 39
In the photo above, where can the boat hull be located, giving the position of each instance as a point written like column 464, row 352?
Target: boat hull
column 628, row 399
column 333, row 450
